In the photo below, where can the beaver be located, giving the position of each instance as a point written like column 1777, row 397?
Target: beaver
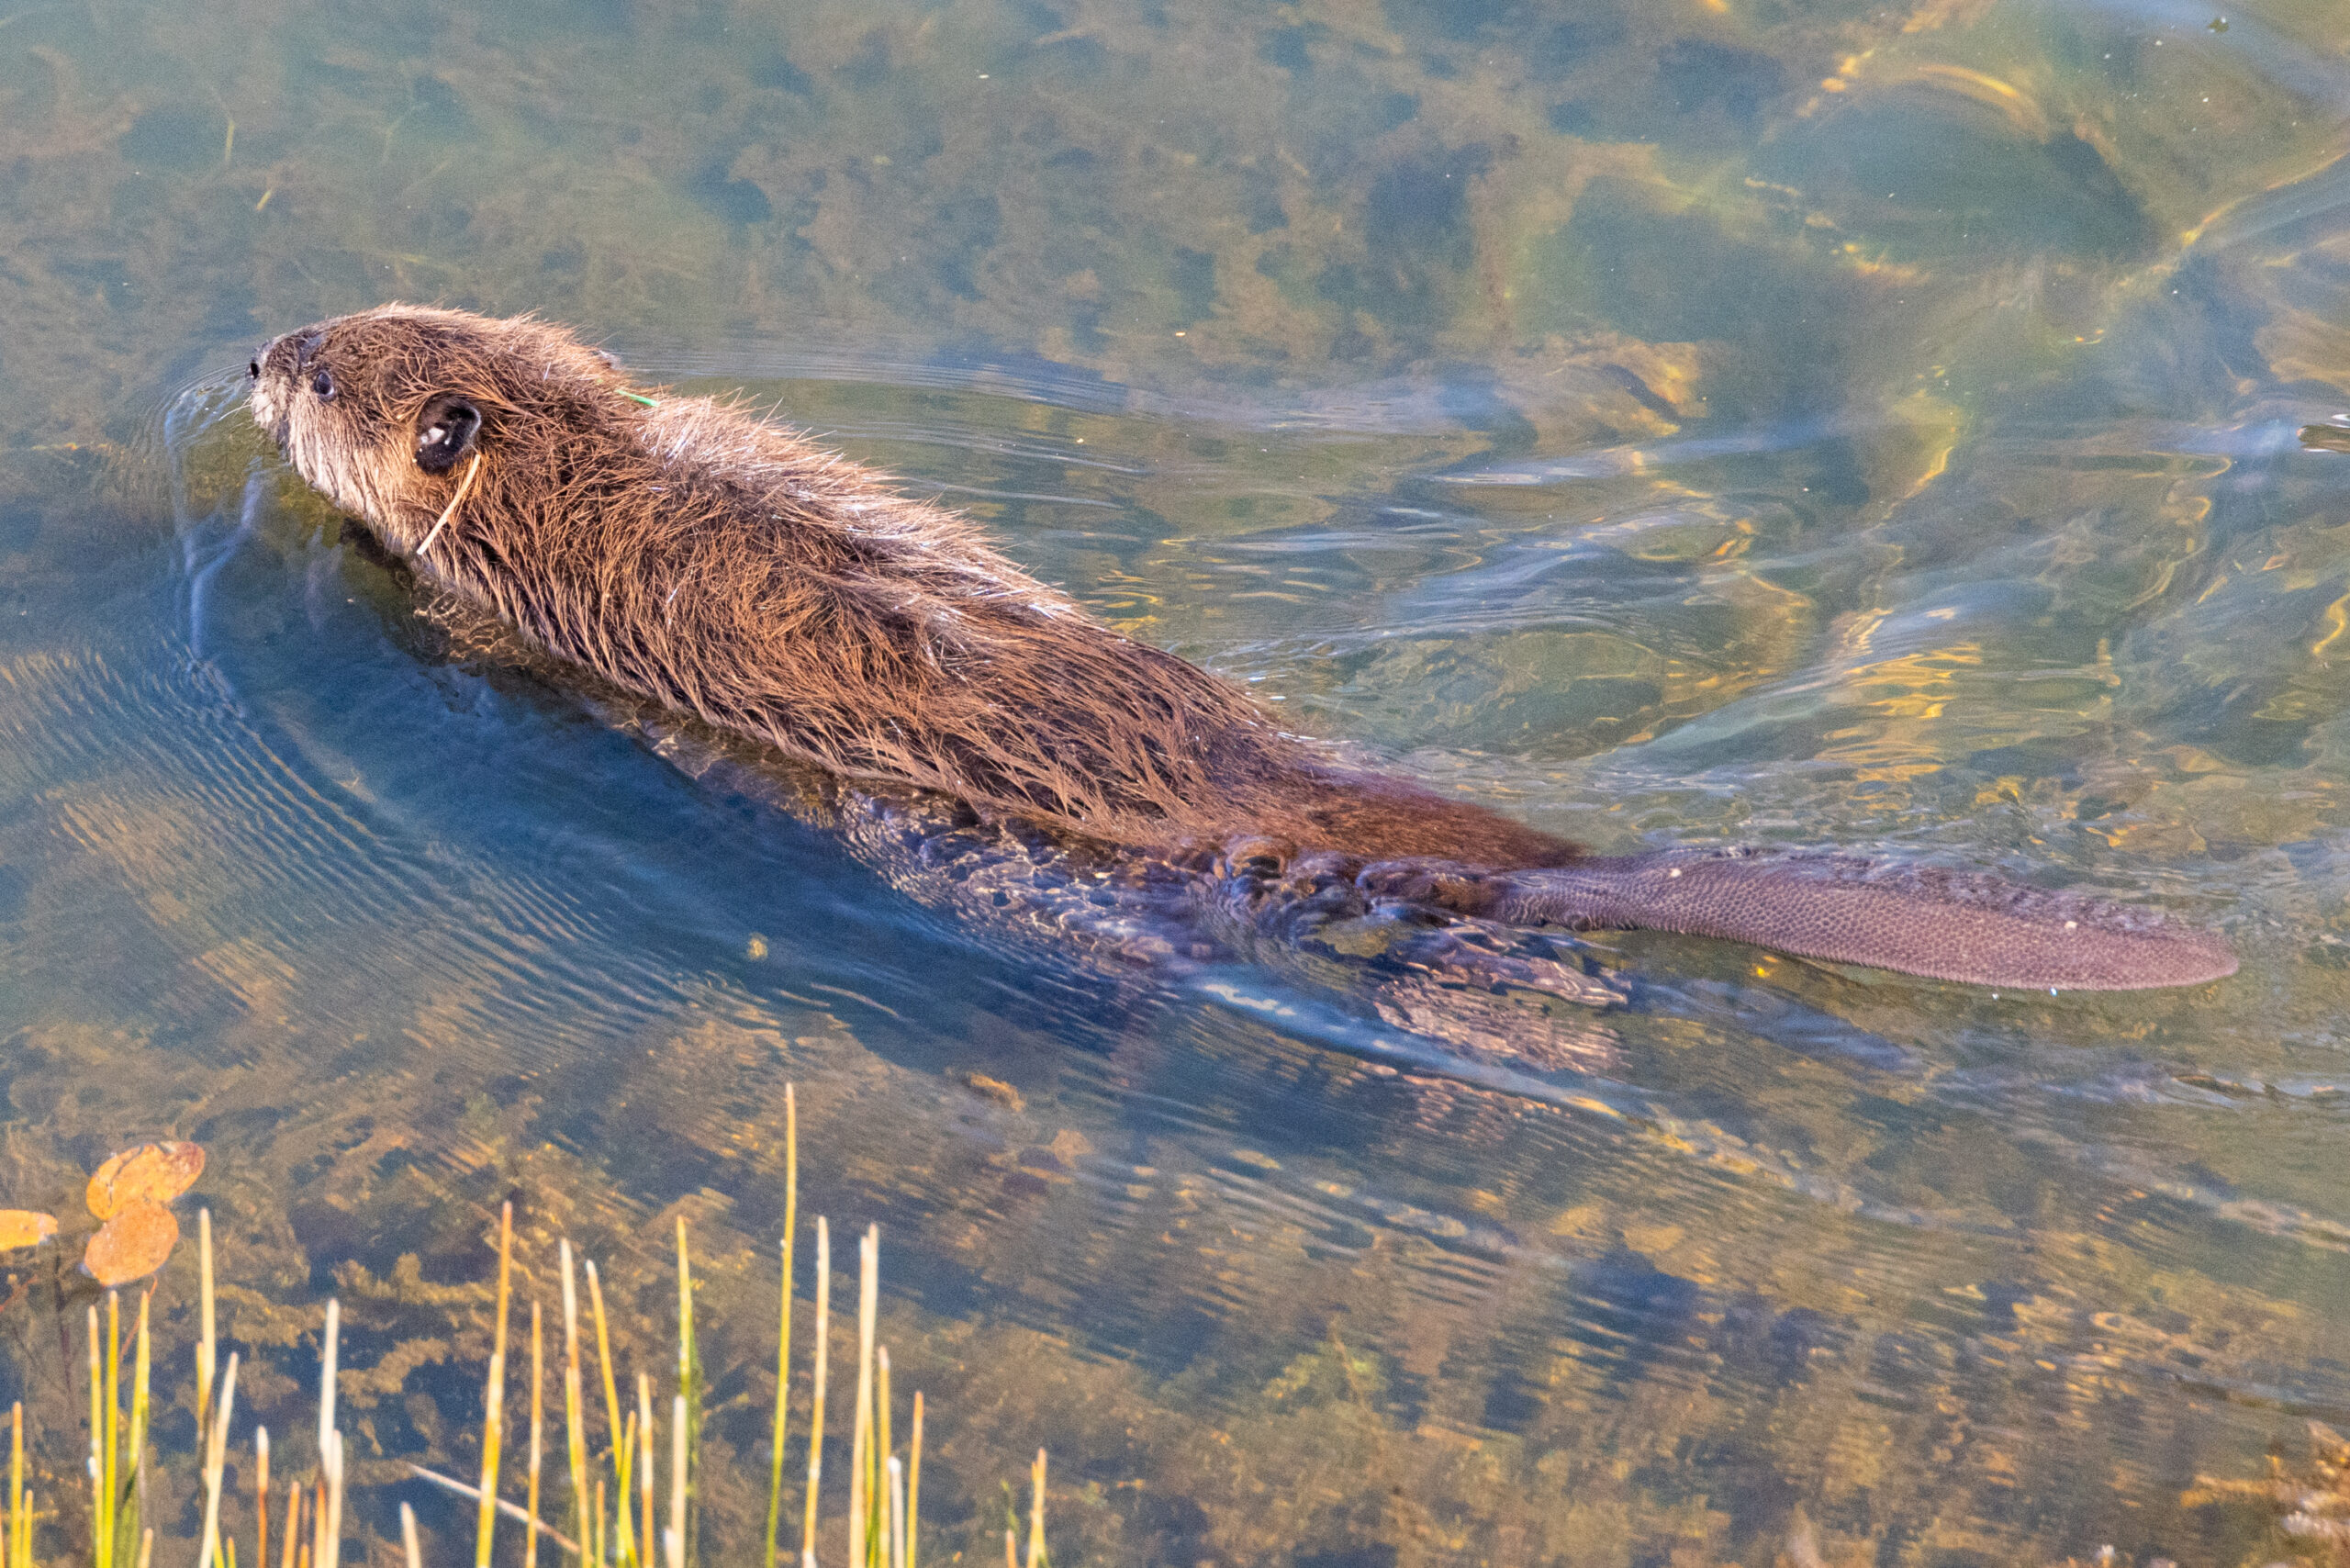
column 706, row 559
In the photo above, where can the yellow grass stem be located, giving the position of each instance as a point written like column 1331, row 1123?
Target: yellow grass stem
column 860, row 1468
column 111, row 1474
column 408, row 1536
column 97, row 1421
column 913, row 1484
column 622, row 1525
column 687, row 1438
column 602, row 1557
column 575, row 1417
column 334, row 1505
column 145, row 1548
column 897, row 1553
column 674, row 1540
column 783, row 1339
column 511, row 1509
column 293, row 1521
column 645, row 1450
column 215, row 1461
column 493, row 1430
column 261, row 1496
column 142, row 1367
column 885, row 1451
column 1037, row 1513
column 816, row 1415
column 330, row 1530
column 537, row 1422
column 19, row 1526
column 1010, row 1549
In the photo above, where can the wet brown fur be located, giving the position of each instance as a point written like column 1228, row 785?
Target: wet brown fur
column 724, row 564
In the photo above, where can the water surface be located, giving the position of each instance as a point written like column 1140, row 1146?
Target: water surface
column 1789, row 422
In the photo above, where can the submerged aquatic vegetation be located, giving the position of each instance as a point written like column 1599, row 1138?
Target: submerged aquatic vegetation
column 2305, row 1508
column 618, row 1517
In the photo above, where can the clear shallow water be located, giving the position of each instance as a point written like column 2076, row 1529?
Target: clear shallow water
column 1802, row 423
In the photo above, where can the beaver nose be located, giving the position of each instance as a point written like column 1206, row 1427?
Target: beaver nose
column 268, row 352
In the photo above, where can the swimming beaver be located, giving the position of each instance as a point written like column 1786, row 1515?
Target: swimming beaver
column 692, row 553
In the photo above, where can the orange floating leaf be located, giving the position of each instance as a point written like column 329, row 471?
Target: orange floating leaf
column 133, row 1244
column 25, row 1227
column 157, row 1172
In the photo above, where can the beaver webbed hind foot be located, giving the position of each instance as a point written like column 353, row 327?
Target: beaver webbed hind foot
column 1924, row 921
column 1407, row 921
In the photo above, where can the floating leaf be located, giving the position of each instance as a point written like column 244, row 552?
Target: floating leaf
column 133, row 1244
column 25, row 1227
column 157, row 1172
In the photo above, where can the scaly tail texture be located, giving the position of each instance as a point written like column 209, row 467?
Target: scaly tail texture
column 1942, row 925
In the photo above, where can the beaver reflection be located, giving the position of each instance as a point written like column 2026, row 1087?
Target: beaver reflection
column 721, row 565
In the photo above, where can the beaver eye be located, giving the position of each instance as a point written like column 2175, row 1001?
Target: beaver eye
column 323, row 384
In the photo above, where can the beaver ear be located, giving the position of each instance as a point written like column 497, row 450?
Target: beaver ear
column 445, row 432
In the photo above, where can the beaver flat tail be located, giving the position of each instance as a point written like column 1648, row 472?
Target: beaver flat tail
column 1941, row 925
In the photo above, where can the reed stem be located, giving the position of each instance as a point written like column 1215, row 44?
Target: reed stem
column 493, row 1430
column 622, row 1526
column 512, row 1511
column 142, row 1369
column 537, row 1428
column 574, row 1415
column 109, row 1520
column 687, row 1438
column 783, row 1339
column 99, row 1553
column 645, row 1451
column 215, row 1461
column 1037, row 1513
column 860, row 1488
column 885, row 1452
column 261, row 1495
column 816, row 1416
column 674, row 1540
column 329, row 1518
column 913, row 1484
column 19, row 1526
column 897, row 1513
column 293, row 1522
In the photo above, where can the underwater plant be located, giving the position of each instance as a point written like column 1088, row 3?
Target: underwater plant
column 618, row 1516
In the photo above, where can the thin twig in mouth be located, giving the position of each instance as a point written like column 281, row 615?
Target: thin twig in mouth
column 454, row 502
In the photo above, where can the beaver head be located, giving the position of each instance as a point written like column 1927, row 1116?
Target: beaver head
column 382, row 411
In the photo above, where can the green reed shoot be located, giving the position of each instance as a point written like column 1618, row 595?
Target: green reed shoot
column 783, row 1337
column 583, row 1519
column 21, row 1521
column 686, row 1428
column 492, row 1433
column 816, row 1416
column 538, row 1424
